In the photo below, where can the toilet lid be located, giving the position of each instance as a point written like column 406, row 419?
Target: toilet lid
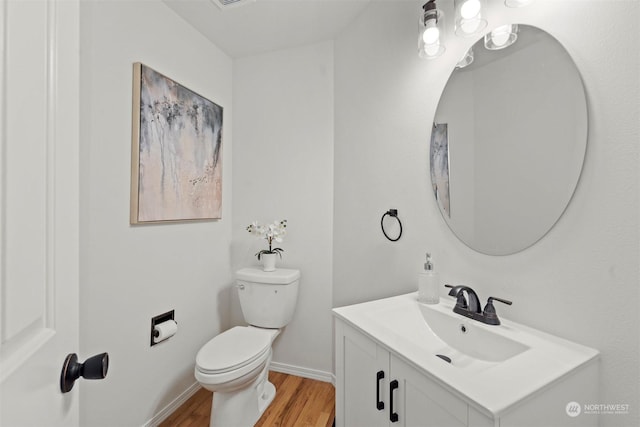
column 233, row 349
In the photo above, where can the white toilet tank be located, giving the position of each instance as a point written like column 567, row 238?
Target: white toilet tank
column 268, row 299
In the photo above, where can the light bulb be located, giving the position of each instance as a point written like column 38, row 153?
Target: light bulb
column 466, row 60
column 429, row 43
column 431, row 34
column 432, row 50
column 470, row 9
column 500, row 35
column 470, row 27
column 469, row 20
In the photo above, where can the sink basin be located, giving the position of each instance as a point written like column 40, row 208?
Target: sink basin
column 446, row 337
column 469, row 337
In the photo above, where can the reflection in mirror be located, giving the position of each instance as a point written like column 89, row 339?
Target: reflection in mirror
column 508, row 142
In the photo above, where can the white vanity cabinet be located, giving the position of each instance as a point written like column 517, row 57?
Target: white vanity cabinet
column 402, row 363
column 376, row 388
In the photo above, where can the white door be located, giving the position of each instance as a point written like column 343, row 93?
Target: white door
column 423, row 403
column 39, row 190
column 364, row 381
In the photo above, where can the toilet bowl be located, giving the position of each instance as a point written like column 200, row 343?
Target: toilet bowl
column 235, row 364
column 232, row 356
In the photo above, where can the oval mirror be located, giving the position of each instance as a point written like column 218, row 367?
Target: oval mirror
column 508, row 141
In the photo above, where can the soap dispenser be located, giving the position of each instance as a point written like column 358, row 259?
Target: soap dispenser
column 428, row 289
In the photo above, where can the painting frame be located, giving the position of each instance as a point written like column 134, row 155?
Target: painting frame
column 439, row 166
column 176, row 152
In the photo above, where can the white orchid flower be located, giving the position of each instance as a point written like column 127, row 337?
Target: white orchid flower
column 273, row 232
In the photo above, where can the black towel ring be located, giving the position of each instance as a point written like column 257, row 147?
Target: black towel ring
column 394, row 214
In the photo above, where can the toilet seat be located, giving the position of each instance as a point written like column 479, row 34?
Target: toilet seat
column 234, row 353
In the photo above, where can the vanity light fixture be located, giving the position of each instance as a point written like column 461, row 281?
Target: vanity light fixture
column 501, row 37
column 469, row 18
column 469, row 21
column 517, row 3
column 431, row 24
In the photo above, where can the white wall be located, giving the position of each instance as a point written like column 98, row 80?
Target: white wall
column 581, row 280
column 130, row 274
column 283, row 168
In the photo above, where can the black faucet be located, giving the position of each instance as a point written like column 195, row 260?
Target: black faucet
column 472, row 309
column 473, row 304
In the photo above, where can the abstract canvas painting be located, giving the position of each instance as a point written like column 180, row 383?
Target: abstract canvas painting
column 176, row 153
column 439, row 163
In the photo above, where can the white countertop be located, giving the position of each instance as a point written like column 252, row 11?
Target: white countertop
column 397, row 323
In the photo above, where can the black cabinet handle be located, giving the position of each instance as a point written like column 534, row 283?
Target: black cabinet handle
column 379, row 403
column 393, row 416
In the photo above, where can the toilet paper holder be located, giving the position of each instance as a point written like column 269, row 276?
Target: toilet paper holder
column 169, row 315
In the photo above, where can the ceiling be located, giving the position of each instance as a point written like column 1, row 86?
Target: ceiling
column 258, row 26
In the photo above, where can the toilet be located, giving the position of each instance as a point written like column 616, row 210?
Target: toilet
column 235, row 364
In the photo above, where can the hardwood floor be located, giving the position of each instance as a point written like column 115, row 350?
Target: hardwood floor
column 299, row 402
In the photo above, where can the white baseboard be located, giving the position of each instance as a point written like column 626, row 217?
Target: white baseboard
column 299, row 371
column 172, row 406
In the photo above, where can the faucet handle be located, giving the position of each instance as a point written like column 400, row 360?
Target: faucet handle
column 489, row 312
column 504, row 301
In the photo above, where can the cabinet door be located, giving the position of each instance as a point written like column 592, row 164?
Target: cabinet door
column 362, row 380
column 420, row 402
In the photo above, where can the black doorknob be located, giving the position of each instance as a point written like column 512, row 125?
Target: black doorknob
column 94, row 368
